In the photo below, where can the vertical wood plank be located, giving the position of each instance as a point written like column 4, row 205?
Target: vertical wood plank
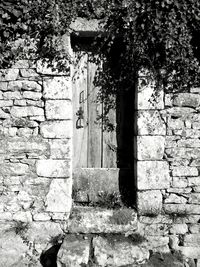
column 94, row 126
column 110, row 143
column 80, row 135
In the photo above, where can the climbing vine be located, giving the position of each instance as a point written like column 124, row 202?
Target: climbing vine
column 159, row 35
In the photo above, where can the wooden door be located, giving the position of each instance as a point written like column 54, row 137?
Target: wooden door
column 92, row 147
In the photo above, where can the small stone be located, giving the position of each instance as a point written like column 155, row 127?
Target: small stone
column 192, row 240
column 194, row 198
column 183, row 209
column 26, row 111
column 74, row 251
column 36, row 103
column 194, row 228
column 59, row 197
column 149, row 202
column 190, row 252
column 56, row 129
column 20, row 102
column 174, row 242
column 193, row 181
column 22, row 216
column 9, row 74
column 57, row 88
column 189, row 143
column 3, row 86
column 184, row 171
column 153, row 175
column 41, row 217
column 187, row 100
column 6, row 103
column 28, row 73
column 175, row 124
column 179, row 182
column 32, row 95
column 14, row 169
column 53, row 168
column 24, row 85
column 196, row 189
column 168, row 100
column 173, row 198
column 21, row 64
column 179, row 229
column 12, row 95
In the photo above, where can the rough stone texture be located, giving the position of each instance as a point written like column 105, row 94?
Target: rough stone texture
column 60, row 148
column 115, row 253
column 153, row 175
column 146, row 97
column 182, row 209
column 184, row 171
column 149, row 202
column 74, row 252
column 150, row 122
column 187, row 100
column 56, row 129
column 57, row 88
column 53, row 168
column 94, row 184
column 99, row 220
column 59, row 197
column 58, row 109
column 150, row 147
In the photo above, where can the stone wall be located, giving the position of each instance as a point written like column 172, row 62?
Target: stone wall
column 168, row 149
column 36, row 177
column 35, row 159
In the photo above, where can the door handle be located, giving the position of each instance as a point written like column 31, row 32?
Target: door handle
column 80, row 118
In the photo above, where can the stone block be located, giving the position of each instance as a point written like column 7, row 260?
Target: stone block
column 21, row 102
column 29, row 73
column 190, row 252
column 147, row 96
column 175, row 123
column 193, row 142
column 187, row 100
column 12, row 95
column 180, row 112
column 182, row 209
column 13, row 169
column 179, row 229
column 114, row 253
column 24, row 85
column 42, row 232
column 159, row 219
column 183, row 153
column 179, row 182
column 32, row 95
column 9, row 74
column 74, row 251
column 173, row 198
column 152, row 175
column 6, row 103
column 41, row 217
column 193, row 181
column 58, row 109
column 60, row 148
column 93, row 184
column 194, row 228
column 150, row 147
column 53, row 168
column 26, row 111
column 194, row 198
column 159, row 229
column 56, row 129
column 149, row 202
column 150, row 122
column 192, row 240
column 57, row 88
column 59, row 197
column 101, row 220
column 184, row 171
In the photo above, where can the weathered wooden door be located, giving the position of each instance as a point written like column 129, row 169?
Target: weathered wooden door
column 93, row 147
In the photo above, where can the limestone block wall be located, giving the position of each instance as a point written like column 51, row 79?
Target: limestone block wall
column 167, row 156
column 35, row 143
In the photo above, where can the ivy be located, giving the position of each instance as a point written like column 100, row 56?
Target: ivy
column 159, row 35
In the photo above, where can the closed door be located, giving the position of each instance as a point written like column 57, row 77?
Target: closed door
column 93, row 147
